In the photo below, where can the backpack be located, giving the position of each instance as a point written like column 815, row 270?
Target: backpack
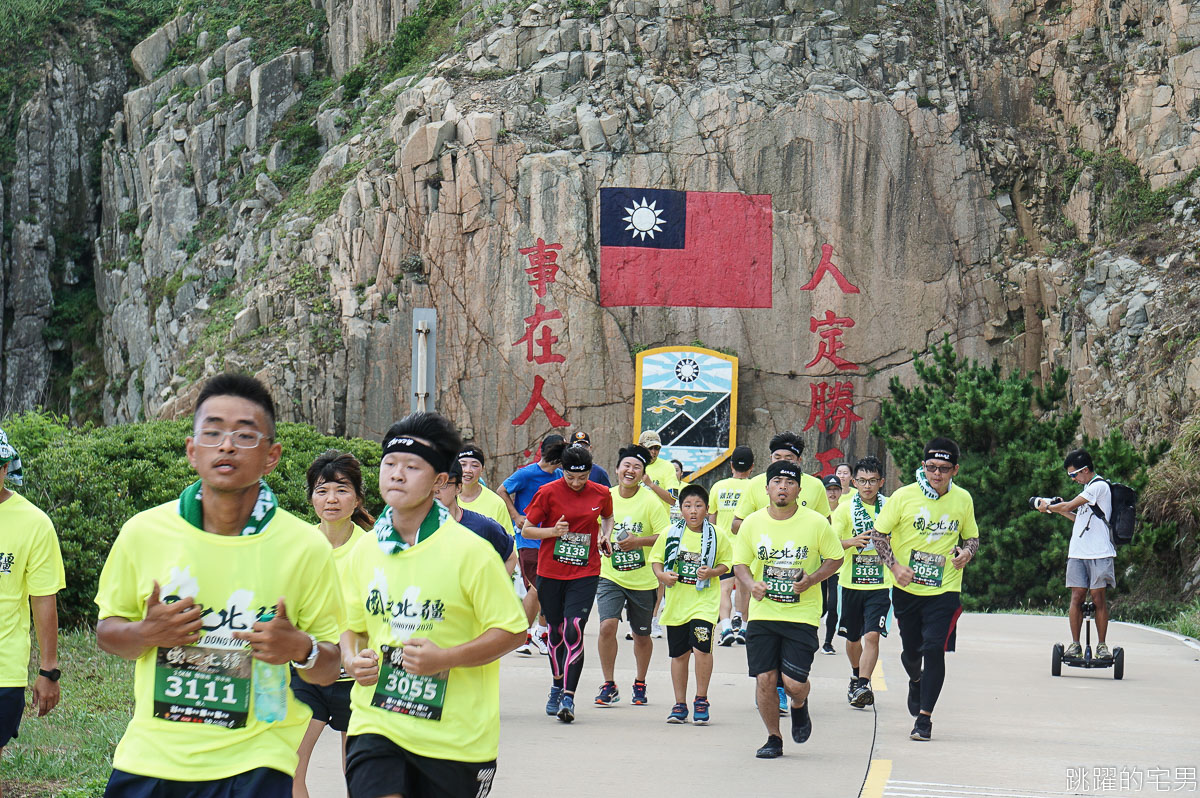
column 1124, row 513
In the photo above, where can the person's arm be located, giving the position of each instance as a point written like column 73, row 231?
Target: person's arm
column 965, row 553
column 660, row 492
column 516, row 517
column 606, row 527
column 45, row 623
column 716, row 572
column 745, row 579
column 712, row 518
column 665, row 578
column 736, row 525
column 279, row 642
column 511, row 563
column 828, row 568
column 361, row 662
column 163, row 626
column 559, row 529
column 425, row 658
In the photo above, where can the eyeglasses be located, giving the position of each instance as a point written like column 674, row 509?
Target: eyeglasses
column 242, row 438
column 937, row 469
column 870, row 483
column 1073, row 474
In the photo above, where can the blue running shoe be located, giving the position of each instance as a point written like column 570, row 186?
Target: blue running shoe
column 609, row 695
column 566, row 710
column 783, row 702
column 678, row 714
column 700, row 711
column 639, row 693
column 554, row 702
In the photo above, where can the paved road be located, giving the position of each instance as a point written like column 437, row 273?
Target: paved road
column 1004, row 727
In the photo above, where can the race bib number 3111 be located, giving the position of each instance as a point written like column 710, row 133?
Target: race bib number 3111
column 400, row 691
column 197, row 684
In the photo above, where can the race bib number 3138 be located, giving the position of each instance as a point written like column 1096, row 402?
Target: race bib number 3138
column 400, row 691
column 197, row 684
column 573, row 548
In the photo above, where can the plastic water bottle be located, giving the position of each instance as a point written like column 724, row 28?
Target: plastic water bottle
column 270, row 687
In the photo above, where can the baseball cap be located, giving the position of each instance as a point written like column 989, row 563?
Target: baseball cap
column 743, row 458
column 649, row 438
column 581, row 437
column 832, row 481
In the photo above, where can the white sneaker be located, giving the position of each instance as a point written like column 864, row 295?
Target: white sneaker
column 526, row 650
column 656, row 629
column 540, row 642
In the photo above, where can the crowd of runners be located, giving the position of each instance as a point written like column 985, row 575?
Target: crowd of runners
column 251, row 632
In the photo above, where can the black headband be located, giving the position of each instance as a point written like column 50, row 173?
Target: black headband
column 782, row 468
column 471, row 452
column 941, row 454
column 408, row 445
column 787, row 446
column 578, row 468
column 639, row 453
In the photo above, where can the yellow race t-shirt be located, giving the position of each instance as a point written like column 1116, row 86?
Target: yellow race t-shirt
column 682, row 602
column 449, row 589
column 812, row 495
column 193, row 715
column 723, row 500
column 776, row 552
column 30, row 565
column 662, row 473
column 490, row 505
column 641, row 516
column 924, row 533
column 862, row 570
column 341, row 559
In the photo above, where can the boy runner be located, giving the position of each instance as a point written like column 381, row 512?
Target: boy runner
column 782, row 553
column 686, row 559
column 517, row 492
column 626, row 580
column 430, row 610
column 723, row 500
column 187, row 592
column 481, row 525
column 563, row 516
column 31, row 573
column 476, row 496
column 790, row 447
column 598, row 475
column 866, row 600
column 829, row 588
column 918, row 535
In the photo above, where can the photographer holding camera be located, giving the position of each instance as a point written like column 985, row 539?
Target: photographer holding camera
column 1090, row 557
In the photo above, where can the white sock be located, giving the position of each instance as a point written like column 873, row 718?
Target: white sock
column 726, row 625
column 737, row 615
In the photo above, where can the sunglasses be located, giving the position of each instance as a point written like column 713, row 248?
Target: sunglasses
column 937, row 469
column 1072, row 474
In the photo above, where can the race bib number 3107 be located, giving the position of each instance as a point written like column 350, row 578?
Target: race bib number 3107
column 197, row 684
column 781, row 583
column 400, row 691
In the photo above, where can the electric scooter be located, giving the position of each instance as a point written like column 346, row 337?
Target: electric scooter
column 1058, row 657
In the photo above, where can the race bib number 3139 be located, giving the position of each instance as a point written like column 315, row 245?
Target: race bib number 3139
column 400, row 691
column 197, row 684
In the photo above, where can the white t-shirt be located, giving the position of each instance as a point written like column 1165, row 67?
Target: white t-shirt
column 1090, row 538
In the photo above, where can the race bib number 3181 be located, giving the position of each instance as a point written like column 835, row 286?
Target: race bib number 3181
column 400, row 691
column 198, row 684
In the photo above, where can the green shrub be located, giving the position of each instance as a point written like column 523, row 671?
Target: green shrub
column 90, row 480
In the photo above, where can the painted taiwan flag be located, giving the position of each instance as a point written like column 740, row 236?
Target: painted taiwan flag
column 702, row 249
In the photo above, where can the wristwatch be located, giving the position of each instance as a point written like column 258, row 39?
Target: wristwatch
column 312, row 656
column 53, row 675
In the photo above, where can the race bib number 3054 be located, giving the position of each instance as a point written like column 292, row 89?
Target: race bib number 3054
column 927, row 568
column 400, row 691
column 196, row 684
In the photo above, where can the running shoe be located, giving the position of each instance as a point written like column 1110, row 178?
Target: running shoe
column 656, row 629
column 851, row 689
column 1073, row 650
column 739, row 636
column 699, row 711
column 609, row 695
column 678, row 714
column 772, row 749
column 863, row 697
column 554, row 702
column 922, row 729
column 801, row 724
column 566, row 710
column 736, row 623
column 542, row 642
column 527, row 649
column 828, row 649
column 783, row 702
column 639, row 694
column 728, row 637
column 914, row 697
column 1103, row 651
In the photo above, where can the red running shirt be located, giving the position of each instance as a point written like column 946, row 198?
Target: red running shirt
column 575, row 554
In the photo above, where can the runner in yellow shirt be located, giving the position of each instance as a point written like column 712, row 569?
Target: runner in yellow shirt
column 926, row 534
column 845, row 476
column 476, row 496
column 723, row 500
column 783, row 553
column 626, row 579
column 687, row 559
column 866, row 600
column 31, row 573
column 660, row 473
column 213, row 595
column 430, row 610
column 829, row 588
column 786, row 446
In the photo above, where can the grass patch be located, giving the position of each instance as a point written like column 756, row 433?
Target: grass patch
column 77, row 739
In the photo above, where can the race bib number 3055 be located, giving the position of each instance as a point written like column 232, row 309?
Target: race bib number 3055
column 780, row 583
column 196, row 684
column 573, row 548
column 400, row 691
column 927, row 568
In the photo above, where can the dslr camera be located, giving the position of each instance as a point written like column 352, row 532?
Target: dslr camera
column 1036, row 501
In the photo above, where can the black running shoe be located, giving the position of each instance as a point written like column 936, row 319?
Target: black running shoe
column 914, row 698
column 850, row 690
column 772, row 749
column 863, row 697
column 922, row 729
column 801, row 723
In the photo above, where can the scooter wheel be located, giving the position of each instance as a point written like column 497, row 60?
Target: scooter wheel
column 1118, row 663
column 1056, row 656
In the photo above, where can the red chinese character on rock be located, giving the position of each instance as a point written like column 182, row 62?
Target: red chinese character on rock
column 829, row 460
column 543, row 265
column 826, row 267
column 832, row 408
column 536, row 401
column 546, row 340
column 830, row 340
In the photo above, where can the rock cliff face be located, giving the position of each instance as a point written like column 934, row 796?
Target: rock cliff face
column 982, row 170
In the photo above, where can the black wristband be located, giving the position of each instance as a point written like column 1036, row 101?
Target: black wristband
column 53, row 675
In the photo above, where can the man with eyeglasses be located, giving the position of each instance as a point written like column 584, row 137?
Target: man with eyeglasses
column 926, row 534
column 205, row 593
column 1091, row 554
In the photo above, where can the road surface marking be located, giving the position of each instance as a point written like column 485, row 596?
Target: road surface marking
column 877, row 778
column 878, row 683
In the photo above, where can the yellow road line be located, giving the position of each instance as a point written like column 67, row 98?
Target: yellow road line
column 877, row 778
column 878, row 683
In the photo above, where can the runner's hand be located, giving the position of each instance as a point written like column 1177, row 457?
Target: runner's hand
column 561, row 527
column 704, row 572
column 364, row 667
column 628, row 544
column 862, row 541
column 45, row 695
column 277, row 641
column 668, row 578
column 424, row 658
column 759, row 591
column 903, row 574
column 605, row 546
column 961, row 557
column 803, row 583
column 170, row 625
column 520, row 521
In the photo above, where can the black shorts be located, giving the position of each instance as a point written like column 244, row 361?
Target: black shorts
column 927, row 623
column 567, row 598
column 329, row 704
column 376, row 766
column 781, row 646
column 727, row 575
column 695, row 634
column 864, row 611
column 12, row 706
column 257, row 783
